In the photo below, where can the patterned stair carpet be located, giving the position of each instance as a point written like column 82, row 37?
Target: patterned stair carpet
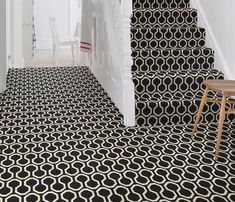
column 170, row 63
column 62, row 139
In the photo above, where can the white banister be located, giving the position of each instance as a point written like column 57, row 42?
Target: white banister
column 113, row 67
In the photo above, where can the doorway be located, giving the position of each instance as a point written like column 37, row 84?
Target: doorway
column 37, row 37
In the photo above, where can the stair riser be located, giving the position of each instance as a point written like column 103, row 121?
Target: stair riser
column 164, row 18
column 167, row 38
column 172, row 83
column 161, row 3
column 172, row 60
column 174, row 112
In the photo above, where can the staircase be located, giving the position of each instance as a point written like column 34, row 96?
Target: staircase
column 170, row 63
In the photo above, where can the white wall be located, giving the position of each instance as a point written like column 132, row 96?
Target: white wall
column 3, row 46
column 9, row 32
column 220, row 16
column 66, row 13
column 75, row 14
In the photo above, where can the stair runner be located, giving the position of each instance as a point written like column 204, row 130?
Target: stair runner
column 170, row 63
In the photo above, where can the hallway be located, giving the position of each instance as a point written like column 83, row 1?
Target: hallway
column 62, row 139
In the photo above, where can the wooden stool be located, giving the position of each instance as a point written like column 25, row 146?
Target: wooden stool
column 226, row 88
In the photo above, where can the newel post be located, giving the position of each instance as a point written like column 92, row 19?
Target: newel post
column 127, row 62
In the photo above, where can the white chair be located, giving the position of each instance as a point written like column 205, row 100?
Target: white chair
column 77, row 37
column 74, row 43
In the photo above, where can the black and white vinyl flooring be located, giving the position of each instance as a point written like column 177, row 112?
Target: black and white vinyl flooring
column 62, row 139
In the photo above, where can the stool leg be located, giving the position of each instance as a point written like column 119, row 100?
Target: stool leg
column 203, row 101
column 220, row 127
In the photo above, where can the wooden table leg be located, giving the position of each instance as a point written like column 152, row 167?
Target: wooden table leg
column 220, row 127
column 201, row 107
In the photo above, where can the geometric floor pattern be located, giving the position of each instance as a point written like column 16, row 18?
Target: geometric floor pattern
column 62, row 139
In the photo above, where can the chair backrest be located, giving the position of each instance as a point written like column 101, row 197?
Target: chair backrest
column 55, row 36
column 77, row 32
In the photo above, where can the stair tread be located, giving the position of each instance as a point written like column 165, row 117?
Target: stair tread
column 172, row 58
column 173, row 73
column 163, row 9
column 188, row 96
column 167, row 37
column 150, row 85
column 164, row 17
column 167, row 28
column 172, row 49
column 161, row 4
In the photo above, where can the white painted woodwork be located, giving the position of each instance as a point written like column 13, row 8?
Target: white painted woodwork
column 8, row 10
column 17, row 59
column 3, row 46
column 112, row 61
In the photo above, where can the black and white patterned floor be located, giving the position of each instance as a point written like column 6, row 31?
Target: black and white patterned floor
column 62, row 139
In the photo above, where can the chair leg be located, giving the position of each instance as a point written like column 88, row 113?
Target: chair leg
column 72, row 49
column 201, row 107
column 77, row 54
column 220, row 127
column 56, row 55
